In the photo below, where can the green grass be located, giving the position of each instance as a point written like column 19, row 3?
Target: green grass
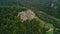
column 51, row 26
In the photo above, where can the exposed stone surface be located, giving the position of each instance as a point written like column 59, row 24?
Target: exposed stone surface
column 26, row 15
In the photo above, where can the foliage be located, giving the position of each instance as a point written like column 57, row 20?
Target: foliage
column 11, row 24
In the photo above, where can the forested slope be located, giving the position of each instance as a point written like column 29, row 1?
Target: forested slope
column 11, row 24
column 46, row 10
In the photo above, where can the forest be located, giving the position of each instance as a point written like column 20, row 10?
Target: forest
column 44, row 17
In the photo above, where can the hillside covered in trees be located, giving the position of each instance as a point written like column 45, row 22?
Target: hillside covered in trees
column 47, row 13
